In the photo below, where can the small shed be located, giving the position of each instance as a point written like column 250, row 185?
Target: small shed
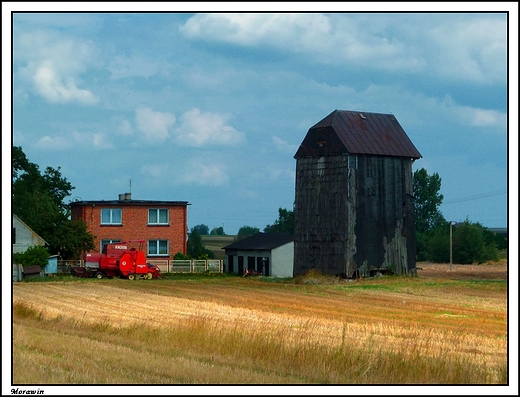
column 354, row 208
column 51, row 268
column 270, row 254
column 22, row 238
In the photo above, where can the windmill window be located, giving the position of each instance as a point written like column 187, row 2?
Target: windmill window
column 321, row 137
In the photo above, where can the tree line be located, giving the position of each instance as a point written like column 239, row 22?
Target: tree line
column 38, row 199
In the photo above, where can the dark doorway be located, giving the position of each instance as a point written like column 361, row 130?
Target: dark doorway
column 230, row 264
column 259, row 264
column 250, row 263
column 240, row 265
column 267, row 270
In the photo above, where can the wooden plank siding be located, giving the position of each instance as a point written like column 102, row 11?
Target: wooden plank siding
column 354, row 214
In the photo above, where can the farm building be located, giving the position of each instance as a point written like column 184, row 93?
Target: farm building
column 162, row 224
column 22, row 238
column 271, row 254
column 354, row 208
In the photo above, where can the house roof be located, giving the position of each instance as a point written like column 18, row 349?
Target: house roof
column 352, row 132
column 129, row 202
column 36, row 235
column 261, row 241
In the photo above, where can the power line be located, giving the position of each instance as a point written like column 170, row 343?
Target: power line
column 476, row 197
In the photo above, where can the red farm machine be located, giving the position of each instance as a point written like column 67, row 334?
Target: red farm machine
column 118, row 259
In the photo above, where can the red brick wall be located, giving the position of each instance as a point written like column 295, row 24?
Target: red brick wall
column 135, row 225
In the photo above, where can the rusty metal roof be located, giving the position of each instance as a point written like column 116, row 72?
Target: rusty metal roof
column 344, row 131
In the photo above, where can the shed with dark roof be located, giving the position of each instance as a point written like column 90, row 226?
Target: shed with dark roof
column 354, row 209
column 270, row 254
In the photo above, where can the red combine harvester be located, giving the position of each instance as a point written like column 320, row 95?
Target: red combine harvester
column 118, row 259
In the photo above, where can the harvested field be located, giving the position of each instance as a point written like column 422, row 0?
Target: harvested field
column 490, row 271
column 439, row 319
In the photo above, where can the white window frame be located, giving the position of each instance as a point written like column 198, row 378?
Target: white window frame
column 111, row 216
column 158, row 212
column 156, row 244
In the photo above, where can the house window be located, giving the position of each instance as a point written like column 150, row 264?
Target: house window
column 111, row 216
column 105, row 242
column 158, row 247
column 158, row 216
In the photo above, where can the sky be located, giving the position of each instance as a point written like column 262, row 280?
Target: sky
column 210, row 108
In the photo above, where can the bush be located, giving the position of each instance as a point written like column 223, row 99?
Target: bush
column 468, row 243
column 180, row 256
column 439, row 247
column 34, row 255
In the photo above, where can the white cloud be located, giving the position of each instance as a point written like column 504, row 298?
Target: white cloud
column 474, row 50
column 454, row 46
column 284, row 146
column 74, row 140
column 55, row 143
column 485, row 117
column 154, row 124
column 52, row 65
column 59, row 89
column 198, row 129
column 205, row 174
column 333, row 39
column 125, row 128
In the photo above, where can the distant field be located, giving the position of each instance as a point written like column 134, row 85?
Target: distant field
column 442, row 327
column 215, row 244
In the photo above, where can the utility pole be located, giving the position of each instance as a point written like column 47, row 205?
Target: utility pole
column 451, row 247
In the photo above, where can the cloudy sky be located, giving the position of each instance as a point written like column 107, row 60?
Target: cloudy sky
column 210, row 108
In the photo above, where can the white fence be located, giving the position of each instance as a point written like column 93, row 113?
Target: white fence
column 65, row 265
column 165, row 265
column 189, row 265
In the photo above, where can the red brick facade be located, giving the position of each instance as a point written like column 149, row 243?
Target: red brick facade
column 134, row 224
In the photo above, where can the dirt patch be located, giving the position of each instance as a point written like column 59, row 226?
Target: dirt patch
column 491, row 271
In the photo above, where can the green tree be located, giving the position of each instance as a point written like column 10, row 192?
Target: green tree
column 202, row 229
column 246, row 231
column 470, row 245
column 38, row 199
column 439, row 244
column 196, row 248
column 427, row 200
column 428, row 217
column 284, row 223
column 218, row 231
column 70, row 239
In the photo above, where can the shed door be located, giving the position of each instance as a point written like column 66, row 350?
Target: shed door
column 259, row 264
column 267, row 271
column 240, row 265
column 250, row 263
column 230, row 263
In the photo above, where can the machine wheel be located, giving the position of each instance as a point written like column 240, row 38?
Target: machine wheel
column 99, row 275
column 149, row 276
column 131, row 276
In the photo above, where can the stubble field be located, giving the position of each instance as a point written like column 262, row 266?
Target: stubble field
column 442, row 327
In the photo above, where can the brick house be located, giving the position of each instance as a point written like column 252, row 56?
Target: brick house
column 162, row 224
